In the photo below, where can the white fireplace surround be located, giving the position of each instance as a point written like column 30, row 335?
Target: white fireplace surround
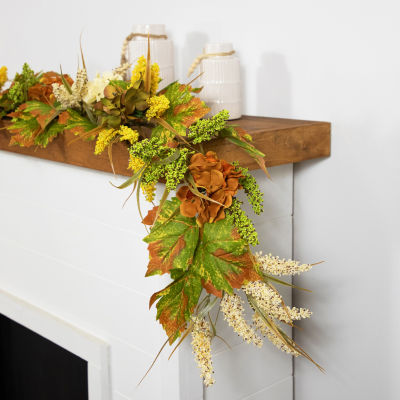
column 72, row 253
column 84, row 345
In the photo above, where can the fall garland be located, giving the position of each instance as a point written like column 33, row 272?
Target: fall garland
column 201, row 237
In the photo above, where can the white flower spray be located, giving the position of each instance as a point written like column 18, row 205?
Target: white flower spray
column 233, row 310
column 201, row 345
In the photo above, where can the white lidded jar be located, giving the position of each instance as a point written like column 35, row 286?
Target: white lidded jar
column 161, row 50
column 221, row 79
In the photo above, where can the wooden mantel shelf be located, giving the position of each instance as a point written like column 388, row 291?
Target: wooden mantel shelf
column 283, row 141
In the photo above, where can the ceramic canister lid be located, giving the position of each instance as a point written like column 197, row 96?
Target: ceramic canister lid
column 153, row 29
column 211, row 48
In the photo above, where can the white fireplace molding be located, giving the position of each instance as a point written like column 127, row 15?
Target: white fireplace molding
column 92, row 349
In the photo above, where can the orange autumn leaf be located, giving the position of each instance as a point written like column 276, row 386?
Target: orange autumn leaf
column 192, row 111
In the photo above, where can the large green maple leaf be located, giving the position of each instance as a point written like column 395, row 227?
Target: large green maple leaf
column 177, row 303
column 172, row 240
column 223, row 259
column 214, row 258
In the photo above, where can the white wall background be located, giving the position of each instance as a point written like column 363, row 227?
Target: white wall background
column 326, row 60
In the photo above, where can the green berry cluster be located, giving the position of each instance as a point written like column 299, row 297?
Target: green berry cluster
column 148, row 149
column 18, row 92
column 242, row 222
column 205, row 129
column 153, row 173
column 252, row 190
column 152, row 152
column 175, row 171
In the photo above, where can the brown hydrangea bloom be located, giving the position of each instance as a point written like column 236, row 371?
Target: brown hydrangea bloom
column 43, row 91
column 215, row 178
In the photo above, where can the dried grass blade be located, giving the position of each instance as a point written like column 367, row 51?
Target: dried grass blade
column 166, row 125
column 300, row 350
column 130, row 194
column 184, row 336
column 155, row 359
column 195, row 78
column 130, row 181
column 282, row 282
column 65, row 83
column 82, row 136
column 138, row 195
column 110, row 158
column 83, row 58
column 162, row 201
column 147, row 82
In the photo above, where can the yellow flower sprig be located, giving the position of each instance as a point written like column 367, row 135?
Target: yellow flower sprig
column 157, row 106
column 148, row 190
column 106, row 136
column 139, row 73
column 135, row 163
column 3, row 76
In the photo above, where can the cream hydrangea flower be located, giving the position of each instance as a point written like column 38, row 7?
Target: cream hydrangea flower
column 95, row 88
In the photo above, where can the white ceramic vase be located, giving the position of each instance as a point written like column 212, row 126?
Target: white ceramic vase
column 161, row 50
column 221, row 80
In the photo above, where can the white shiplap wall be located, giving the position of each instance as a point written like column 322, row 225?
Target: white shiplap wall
column 68, row 247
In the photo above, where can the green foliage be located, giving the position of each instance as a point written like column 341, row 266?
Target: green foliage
column 242, row 222
column 119, row 103
column 172, row 240
column 148, row 149
column 153, row 173
column 44, row 113
column 18, row 93
column 184, row 109
column 206, row 129
column 254, row 195
column 121, row 84
column 31, row 124
column 223, row 258
column 177, row 303
column 76, row 123
column 175, row 171
column 216, row 259
column 53, row 130
column 25, row 127
column 162, row 161
column 241, row 138
column 177, row 94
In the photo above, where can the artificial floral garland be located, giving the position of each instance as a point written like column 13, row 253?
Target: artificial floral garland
column 201, row 237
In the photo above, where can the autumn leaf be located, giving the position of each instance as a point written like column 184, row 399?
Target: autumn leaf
column 172, row 240
column 150, row 217
column 50, row 133
column 30, row 121
column 44, row 113
column 223, row 259
column 24, row 131
column 190, row 112
column 216, row 259
column 184, row 109
column 177, row 302
column 237, row 136
column 76, row 123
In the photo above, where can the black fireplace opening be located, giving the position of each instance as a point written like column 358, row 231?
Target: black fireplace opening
column 34, row 368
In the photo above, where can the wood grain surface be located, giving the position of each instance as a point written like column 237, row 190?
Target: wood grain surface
column 283, row 141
